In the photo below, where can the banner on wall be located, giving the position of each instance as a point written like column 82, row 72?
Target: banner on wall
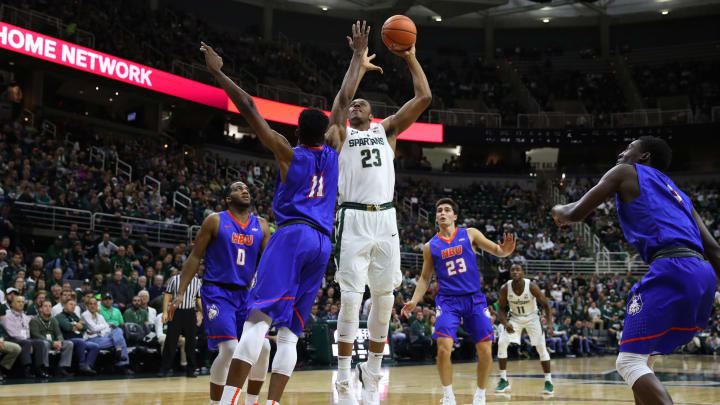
column 67, row 54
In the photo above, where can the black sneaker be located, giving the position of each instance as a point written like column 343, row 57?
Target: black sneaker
column 87, row 371
column 126, row 370
column 191, row 373
column 62, row 372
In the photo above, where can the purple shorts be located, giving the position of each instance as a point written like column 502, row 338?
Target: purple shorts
column 471, row 308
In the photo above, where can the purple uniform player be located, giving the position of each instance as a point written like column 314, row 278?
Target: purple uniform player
column 674, row 298
column 451, row 256
column 230, row 242
column 293, row 265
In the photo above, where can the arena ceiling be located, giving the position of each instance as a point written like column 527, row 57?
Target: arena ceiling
column 504, row 13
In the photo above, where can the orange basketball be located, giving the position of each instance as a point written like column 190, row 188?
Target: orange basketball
column 399, row 33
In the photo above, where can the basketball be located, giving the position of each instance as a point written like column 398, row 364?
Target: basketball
column 399, row 33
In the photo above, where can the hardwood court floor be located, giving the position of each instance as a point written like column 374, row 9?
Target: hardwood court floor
column 587, row 381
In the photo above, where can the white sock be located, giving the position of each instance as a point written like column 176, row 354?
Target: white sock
column 344, row 368
column 230, row 396
column 374, row 362
column 447, row 390
column 480, row 392
column 214, row 402
column 548, row 377
column 271, row 402
column 503, row 374
column 251, row 399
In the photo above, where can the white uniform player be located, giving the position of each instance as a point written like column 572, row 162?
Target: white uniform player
column 522, row 297
column 523, row 315
column 367, row 240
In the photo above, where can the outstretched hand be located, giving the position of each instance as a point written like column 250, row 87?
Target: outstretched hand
column 508, row 244
column 213, row 61
column 408, row 308
column 359, row 44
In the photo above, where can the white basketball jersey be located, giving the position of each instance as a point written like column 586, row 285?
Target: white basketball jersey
column 521, row 305
column 366, row 171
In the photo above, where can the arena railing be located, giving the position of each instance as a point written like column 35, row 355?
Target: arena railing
column 181, row 200
column 381, row 109
column 46, row 24
column 98, row 155
column 51, row 218
column 157, row 231
column 153, row 182
column 411, row 261
column 123, row 169
column 291, row 95
column 613, row 262
column 192, row 232
column 562, row 266
column 465, row 118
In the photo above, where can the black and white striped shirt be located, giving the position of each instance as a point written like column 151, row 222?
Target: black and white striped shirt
column 191, row 294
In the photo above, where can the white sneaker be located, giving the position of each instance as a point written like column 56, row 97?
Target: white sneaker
column 448, row 400
column 370, row 392
column 478, row 399
column 346, row 393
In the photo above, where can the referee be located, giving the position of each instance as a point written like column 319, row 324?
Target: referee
column 182, row 317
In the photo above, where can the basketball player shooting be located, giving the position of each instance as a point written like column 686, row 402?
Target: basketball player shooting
column 367, row 241
column 522, row 296
column 674, row 299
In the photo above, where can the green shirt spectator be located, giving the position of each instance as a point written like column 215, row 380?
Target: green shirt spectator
column 122, row 261
column 110, row 313
column 41, row 328
column 136, row 313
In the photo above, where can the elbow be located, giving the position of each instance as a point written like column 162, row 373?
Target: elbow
column 425, row 99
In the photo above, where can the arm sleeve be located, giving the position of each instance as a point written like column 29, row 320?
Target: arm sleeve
column 35, row 332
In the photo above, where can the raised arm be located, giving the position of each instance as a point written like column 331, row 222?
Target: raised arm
column 500, row 249
column 423, row 283
column 395, row 124
column 359, row 64
column 277, row 143
column 612, row 182
column 208, row 233
column 710, row 245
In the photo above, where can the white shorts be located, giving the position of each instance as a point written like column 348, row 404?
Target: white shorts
column 531, row 324
column 367, row 250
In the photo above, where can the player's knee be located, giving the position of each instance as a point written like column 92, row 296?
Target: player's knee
column 484, row 348
column 219, row 368
column 350, row 303
column 379, row 319
column 286, row 356
column 444, row 347
column 542, row 351
column 632, row 366
column 259, row 370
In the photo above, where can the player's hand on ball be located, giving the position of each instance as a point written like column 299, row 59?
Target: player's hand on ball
column 213, row 61
column 508, row 244
column 406, row 53
column 408, row 308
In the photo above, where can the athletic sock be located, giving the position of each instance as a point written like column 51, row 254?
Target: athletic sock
column 447, row 390
column 374, row 362
column 344, row 368
column 548, row 377
column 230, row 395
column 271, row 402
column 480, row 392
column 503, row 374
column 214, row 402
column 251, row 399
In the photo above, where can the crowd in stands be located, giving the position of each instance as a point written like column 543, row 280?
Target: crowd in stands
column 157, row 37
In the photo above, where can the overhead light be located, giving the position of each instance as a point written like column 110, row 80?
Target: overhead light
column 665, row 12
column 324, row 8
column 117, row 94
column 546, row 20
column 437, row 18
column 97, row 87
column 110, row 99
column 165, row 146
column 81, row 92
column 11, row 63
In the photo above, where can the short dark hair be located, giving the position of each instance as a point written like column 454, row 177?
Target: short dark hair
column 312, row 125
column 660, row 152
column 448, row 201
